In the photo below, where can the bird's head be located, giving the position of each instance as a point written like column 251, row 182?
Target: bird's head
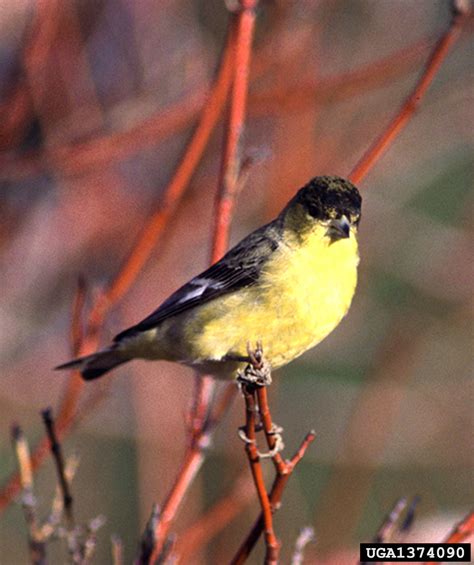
column 330, row 201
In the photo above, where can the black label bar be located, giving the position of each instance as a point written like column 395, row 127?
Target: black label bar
column 406, row 552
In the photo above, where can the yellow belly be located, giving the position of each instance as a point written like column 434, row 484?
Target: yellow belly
column 302, row 297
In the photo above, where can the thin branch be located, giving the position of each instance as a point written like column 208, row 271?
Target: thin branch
column 407, row 523
column 36, row 546
column 51, row 523
column 271, row 430
column 90, row 542
column 446, row 42
column 230, row 164
column 271, row 543
column 393, row 527
column 22, row 451
column 389, row 524
column 57, row 453
column 275, row 496
column 148, row 540
column 256, row 401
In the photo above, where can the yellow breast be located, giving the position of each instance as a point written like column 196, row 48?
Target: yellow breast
column 302, row 295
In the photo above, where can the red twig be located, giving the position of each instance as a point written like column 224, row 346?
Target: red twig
column 411, row 104
column 463, row 530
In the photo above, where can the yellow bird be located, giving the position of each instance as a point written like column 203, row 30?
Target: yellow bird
column 288, row 285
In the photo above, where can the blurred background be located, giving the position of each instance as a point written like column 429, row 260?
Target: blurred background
column 97, row 101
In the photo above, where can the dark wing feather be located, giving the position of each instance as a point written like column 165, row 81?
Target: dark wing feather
column 239, row 268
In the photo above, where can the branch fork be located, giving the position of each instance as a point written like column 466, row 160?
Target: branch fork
column 253, row 381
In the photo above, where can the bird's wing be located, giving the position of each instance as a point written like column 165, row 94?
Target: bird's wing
column 239, row 268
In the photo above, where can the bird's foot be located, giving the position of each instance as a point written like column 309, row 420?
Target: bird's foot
column 258, row 371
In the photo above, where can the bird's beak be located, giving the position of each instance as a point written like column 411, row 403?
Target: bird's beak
column 339, row 229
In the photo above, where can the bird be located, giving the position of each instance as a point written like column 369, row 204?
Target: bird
column 286, row 285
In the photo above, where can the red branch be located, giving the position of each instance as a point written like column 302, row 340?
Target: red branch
column 239, row 50
column 102, row 151
column 284, row 470
column 131, row 268
column 256, row 402
column 230, row 166
column 271, row 542
column 411, row 104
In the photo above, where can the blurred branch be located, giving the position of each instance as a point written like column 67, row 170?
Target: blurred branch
column 117, row 550
column 81, row 542
column 393, row 527
column 231, row 157
column 17, row 111
column 101, row 151
column 237, row 59
column 148, row 540
column 59, row 461
column 306, row 536
column 256, row 402
column 36, row 545
column 311, row 90
column 461, row 13
column 134, row 263
column 386, row 531
column 51, row 524
column 214, row 520
column 461, row 532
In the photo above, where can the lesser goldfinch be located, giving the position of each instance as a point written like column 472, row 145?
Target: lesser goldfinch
column 287, row 285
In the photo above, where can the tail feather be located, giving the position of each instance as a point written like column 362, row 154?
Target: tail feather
column 95, row 365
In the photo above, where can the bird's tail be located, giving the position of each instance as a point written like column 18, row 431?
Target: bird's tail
column 95, row 365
